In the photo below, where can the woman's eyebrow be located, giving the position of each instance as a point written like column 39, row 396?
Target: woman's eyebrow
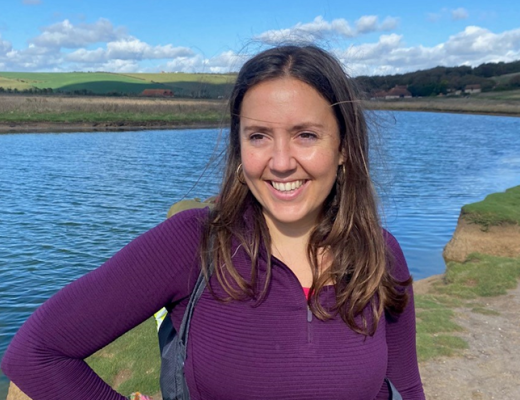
column 299, row 127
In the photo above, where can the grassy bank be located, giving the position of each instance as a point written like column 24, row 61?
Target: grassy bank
column 463, row 287
column 496, row 209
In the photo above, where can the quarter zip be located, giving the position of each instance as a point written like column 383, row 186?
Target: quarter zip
column 308, row 312
column 309, row 327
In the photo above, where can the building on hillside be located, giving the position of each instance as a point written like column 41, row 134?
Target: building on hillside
column 381, row 95
column 157, row 93
column 398, row 92
column 469, row 89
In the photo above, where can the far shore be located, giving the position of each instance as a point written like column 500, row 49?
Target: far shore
column 28, row 114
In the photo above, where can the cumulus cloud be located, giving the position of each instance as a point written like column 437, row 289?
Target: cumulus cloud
column 320, row 29
column 225, row 62
column 67, row 46
column 66, row 35
column 390, row 55
column 459, row 13
column 5, row 46
column 128, row 49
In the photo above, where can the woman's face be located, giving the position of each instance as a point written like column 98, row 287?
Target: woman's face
column 290, row 150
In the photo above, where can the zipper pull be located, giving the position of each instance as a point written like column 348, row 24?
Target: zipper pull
column 309, row 314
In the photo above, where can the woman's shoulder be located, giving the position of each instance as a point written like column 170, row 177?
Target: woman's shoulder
column 187, row 222
column 397, row 262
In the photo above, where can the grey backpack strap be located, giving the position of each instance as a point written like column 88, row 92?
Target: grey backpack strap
column 393, row 394
column 173, row 347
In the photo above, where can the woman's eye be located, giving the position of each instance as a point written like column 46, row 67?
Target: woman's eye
column 256, row 137
column 308, row 135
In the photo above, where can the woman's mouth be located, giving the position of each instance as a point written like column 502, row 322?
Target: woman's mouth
column 287, row 186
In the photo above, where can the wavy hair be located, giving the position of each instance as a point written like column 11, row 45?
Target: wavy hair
column 349, row 227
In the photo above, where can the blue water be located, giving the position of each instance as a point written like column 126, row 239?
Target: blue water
column 69, row 201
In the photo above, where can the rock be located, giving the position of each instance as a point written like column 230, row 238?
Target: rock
column 15, row 393
column 501, row 240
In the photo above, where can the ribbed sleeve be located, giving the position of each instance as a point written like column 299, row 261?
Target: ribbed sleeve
column 45, row 358
column 402, row 368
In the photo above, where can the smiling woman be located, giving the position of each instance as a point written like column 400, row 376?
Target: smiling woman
column 307, row 296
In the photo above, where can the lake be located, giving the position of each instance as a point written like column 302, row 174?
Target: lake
column 69, row 201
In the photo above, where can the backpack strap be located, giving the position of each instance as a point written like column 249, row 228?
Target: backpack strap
column 173, row 344
column 393, row 394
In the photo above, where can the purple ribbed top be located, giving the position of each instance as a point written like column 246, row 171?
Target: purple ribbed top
column 237, row 350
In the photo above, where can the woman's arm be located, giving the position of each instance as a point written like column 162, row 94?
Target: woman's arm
column 402, row 369
column 45, row 358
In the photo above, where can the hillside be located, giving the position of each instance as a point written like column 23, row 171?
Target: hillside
column 104, row 83
column 491, row 77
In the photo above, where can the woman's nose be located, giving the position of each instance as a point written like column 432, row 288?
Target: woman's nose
column 282, row 160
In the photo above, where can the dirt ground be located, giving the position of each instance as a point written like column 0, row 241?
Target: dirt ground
column 490, row 368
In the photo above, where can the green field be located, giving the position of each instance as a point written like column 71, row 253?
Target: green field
column 183, row 85
column 503, row 79
column 496, row 209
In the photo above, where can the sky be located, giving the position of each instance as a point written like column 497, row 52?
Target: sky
column 217, row 36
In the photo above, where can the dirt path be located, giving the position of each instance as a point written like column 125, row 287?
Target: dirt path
column 490, row 368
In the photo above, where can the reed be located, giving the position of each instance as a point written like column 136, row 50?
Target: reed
column 477, row 105
column 71, row 109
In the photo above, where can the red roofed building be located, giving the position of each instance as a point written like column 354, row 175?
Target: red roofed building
column 157, row 93
column 398, row 92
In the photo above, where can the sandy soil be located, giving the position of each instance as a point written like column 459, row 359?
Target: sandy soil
column 503, row 241
column 490, row 368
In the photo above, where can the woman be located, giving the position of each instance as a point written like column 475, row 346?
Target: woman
column 310, row 298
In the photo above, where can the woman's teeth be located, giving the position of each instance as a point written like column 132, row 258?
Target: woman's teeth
column 287, row 186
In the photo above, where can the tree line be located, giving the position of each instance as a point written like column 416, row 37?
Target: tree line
column 444, row 80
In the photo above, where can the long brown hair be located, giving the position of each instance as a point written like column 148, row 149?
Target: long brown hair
column 349, row 228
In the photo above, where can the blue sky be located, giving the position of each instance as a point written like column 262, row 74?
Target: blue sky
column 376, row 37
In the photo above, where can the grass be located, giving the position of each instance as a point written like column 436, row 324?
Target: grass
column 183, row 85
column 503, row 103
column 463, row 286
column 481, row 276
column 495, row 209
column 63, row 110
column 132, row 362
column 14, row 83
column 503, row 79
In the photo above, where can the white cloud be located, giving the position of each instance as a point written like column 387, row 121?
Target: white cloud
column 390, row 55
column 320, row 29
column 128, row 49
column 370, row 23
column 120, row 66
column 433, row 17
column 225, row 62
column 66, row 35
column 459, row 13
column 5, row 46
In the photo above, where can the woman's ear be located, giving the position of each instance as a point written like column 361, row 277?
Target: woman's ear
column 341, row 159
